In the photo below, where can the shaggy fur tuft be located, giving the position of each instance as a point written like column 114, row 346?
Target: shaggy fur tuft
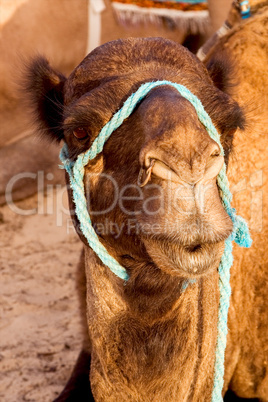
column 45, row 87
column 222, row 72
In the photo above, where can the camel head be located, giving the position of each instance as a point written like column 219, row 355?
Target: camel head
column 152, row 192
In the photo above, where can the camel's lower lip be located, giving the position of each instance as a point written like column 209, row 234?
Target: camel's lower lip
column 195, row 259
column 189, row 260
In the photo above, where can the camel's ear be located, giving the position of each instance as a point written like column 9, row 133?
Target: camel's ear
column 45, row 88
column 225, row 111
column 228, row 114
column 222, row 71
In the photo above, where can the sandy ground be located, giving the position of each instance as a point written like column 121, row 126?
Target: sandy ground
column 40, row 333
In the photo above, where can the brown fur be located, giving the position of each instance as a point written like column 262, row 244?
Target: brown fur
column 137, row 359
column 152, row 340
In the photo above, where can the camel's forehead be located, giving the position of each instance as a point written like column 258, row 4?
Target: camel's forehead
column 129, row 61
column 126, row 56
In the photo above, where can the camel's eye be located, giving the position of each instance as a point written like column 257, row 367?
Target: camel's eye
column 80, row 133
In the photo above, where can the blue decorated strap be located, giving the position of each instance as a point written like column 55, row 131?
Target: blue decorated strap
column 181, row 1
column 244, row 9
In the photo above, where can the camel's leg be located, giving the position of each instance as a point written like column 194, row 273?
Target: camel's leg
column 231, row 397
column 218, row 10
column 27, row 166
column 78, row 385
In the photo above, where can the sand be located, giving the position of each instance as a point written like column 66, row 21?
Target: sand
column 40, row 334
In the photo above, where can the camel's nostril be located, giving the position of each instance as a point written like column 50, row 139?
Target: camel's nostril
column 213, row 166
column 145, row 175
column 215, row 151
column 215, row 154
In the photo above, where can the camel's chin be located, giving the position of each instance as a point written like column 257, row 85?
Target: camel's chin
column 190, row 262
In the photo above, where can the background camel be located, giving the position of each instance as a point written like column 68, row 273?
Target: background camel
column 58, row 29
column 246, row 355
column 122, row 330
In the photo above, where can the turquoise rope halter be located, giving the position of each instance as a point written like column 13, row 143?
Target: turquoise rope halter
column 240, row 232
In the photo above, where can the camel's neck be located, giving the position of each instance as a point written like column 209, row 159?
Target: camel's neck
column 165, row 355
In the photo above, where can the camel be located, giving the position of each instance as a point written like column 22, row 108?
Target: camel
column 151, row 338
column 36, row 26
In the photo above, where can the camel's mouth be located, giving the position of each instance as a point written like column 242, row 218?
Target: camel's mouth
column 193, row 260
column 198, row 259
